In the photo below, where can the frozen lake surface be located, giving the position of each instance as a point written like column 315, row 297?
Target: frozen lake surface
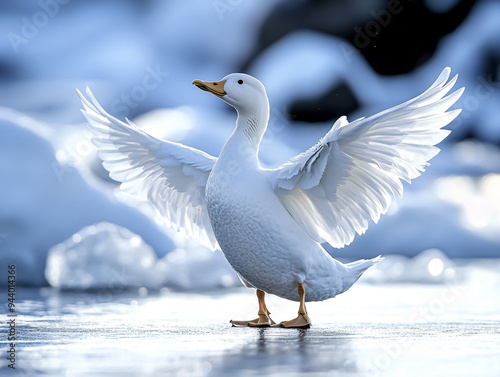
column 371, row 330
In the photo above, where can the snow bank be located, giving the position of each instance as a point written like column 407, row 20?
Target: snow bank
column 105, row 255
column 100, row 256
column 431, row 266
column 43, row 202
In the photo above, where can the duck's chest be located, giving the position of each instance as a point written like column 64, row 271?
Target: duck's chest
column 240, row 203
column 250, row 224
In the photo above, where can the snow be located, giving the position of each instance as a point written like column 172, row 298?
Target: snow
column 43, row 202
column 105, row 256
column 101, row 256
column 431, row 266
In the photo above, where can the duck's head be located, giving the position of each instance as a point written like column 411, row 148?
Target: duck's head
column 247, row 95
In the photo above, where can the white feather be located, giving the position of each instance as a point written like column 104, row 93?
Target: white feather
column 351, row 174
column 171, row 176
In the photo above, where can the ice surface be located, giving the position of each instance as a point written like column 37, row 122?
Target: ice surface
column 384, row 330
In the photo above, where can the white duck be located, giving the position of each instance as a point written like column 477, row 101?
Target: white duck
column 270, row 222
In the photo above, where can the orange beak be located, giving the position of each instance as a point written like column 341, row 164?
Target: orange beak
column 214, row 87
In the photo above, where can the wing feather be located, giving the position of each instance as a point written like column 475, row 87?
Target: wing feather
column 351, row 175
column 171, row 176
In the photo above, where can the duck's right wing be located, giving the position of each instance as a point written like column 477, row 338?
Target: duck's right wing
column 351, row 174
column 171, row 176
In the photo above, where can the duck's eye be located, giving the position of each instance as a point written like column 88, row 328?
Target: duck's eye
column 240, row 82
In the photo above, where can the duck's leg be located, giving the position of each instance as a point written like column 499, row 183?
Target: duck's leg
column 264, row 320
column 263, row 312
column 302, row 320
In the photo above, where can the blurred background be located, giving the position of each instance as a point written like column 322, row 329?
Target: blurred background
column 63, row 222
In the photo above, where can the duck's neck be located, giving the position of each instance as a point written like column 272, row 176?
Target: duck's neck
column 243, row 145
column 253, row 125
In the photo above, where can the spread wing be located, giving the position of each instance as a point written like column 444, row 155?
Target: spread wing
column 351, row 174
column 171, row 176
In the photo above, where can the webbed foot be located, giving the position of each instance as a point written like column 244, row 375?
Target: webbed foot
column 263, row 321
column 301, row 322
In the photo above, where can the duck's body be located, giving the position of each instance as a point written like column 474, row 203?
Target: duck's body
column 270, row 223
column 259, row 238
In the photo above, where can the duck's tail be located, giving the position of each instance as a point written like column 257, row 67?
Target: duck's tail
column 356, row 269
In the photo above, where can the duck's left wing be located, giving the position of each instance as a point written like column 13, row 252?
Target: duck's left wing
column 351, row 174
column 171, row 176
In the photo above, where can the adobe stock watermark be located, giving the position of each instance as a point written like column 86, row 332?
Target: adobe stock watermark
column 364, row 36
column 221, row 7
column 151, row 80
column 483, row 91
column 68, row 159
column 30, row 26
column 373, row 28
